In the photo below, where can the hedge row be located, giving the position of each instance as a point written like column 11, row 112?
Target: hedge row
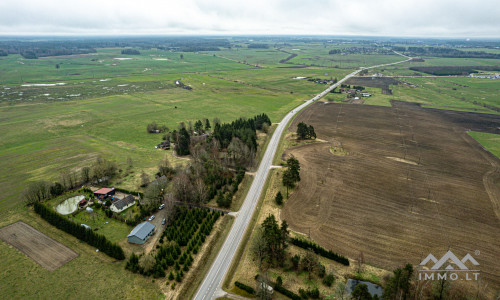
column 245, row 287
column 320, row 250
column 286, row 292
column 88, row 236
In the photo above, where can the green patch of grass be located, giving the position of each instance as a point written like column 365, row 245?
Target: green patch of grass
column 112, row 229
column 464, row 94
column 490, row 141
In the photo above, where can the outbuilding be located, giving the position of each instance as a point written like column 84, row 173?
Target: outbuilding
column 104, row 192
column 141, row 233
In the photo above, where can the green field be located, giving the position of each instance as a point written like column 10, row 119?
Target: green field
column 490, row 141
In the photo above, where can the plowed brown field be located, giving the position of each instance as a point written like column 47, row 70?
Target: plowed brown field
column 49, row 253
column 405, row 182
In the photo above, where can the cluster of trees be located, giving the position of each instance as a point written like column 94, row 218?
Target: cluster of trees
column 205, row 177
column 181, row 240
column 80, row 232
column 243, row 129
column 258, row 46
column 155, row 128
column 35, row 49
column 305, row 132
column 270, row 242
column 405, row 284
column 35, row 53
column 360, row 50
column 292, row 174
column 446, row 52
column 99, row 172
column 454, row 70
column 131, row 52
column 185, row 133
column 224, row 199
column 237, row 139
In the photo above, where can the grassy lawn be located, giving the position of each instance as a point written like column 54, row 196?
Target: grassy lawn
column 489, row 141
column 112, row 229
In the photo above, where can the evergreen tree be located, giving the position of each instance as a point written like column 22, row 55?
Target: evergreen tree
column 207, row 125
column 279, row 198
column 183, row 142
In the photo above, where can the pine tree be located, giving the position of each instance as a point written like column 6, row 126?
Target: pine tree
column 279, row 198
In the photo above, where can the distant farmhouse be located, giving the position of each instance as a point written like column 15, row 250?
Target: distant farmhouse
column 141, row 233
column 122, row 204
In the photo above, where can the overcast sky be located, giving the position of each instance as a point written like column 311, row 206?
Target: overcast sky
column 421, row 18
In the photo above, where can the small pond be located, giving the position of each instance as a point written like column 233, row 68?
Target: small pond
column 69, row 205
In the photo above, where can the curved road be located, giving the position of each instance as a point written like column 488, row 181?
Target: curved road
column 210, row 288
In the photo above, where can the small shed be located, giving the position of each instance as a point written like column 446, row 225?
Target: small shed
column 104, row 192
column 122, row 204
column 141, row 233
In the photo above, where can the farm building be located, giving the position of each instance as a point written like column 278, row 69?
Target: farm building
column 82, row 203
column 141, row 233
column 104, row 192
column 122, row 204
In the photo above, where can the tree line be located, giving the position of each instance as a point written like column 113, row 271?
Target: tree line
column 87, row 235
column 131, row 52
column 99, row 172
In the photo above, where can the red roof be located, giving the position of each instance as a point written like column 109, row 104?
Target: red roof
column 104, row 191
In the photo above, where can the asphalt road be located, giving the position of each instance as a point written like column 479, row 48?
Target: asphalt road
column 211, row 285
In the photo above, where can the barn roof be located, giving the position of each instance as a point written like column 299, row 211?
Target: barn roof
column 104, row 191
column 142, row 230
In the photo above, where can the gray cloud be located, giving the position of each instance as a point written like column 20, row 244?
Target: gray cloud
column 432, row 18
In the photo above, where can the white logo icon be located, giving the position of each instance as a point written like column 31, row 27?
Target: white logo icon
column 449, row 256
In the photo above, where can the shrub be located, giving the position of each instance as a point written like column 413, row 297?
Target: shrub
column 279, row 281
column 329, row 279
column 245, row 287
column 287, row 293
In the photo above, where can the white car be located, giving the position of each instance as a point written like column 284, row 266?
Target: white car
column 151, row 218
column 161, row 206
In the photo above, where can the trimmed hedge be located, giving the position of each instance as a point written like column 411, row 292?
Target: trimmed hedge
column 88, row 236
column 245, row 287
column 320, row 250
column 287, row 293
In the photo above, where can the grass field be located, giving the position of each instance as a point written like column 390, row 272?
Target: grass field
column 490, row 141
